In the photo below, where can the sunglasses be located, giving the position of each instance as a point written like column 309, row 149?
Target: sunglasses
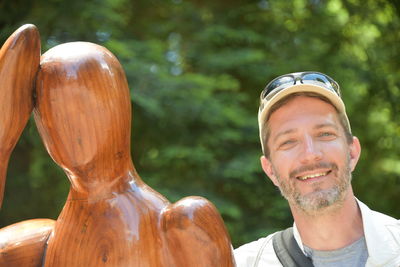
column 308, row 77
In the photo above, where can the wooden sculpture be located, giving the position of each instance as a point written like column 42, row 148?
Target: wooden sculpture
column 111, row 217
column 19, row 63
column 21, row 244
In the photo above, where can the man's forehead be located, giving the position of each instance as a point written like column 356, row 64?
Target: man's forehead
column 300, row 111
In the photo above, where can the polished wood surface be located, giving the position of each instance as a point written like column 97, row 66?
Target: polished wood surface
column 23, row 244
column 111, row 217
column 19, row 63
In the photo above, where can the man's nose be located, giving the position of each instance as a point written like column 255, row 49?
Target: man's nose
column 310, row 150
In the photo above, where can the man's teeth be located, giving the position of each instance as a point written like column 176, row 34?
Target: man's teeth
column 305, row 177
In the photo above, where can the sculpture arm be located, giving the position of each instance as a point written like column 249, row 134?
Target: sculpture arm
column 19, row 63
column 23, row 243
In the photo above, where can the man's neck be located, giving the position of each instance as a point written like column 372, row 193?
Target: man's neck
column 333, row 229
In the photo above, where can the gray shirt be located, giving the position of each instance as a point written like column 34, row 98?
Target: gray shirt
column 354, row 255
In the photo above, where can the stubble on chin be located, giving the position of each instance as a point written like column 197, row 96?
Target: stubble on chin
column 319, row 200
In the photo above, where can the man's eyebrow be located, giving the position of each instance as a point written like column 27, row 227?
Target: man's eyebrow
column 323, row 125
column 289, row 131
column 318, row 126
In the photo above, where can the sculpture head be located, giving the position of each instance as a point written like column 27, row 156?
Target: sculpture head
column 83, row 113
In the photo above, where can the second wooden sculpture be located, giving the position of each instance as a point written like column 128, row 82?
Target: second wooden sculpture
column 19, row 62
column 21, row 244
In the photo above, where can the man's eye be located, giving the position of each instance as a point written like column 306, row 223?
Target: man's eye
column 327, row 134
column 287, row 142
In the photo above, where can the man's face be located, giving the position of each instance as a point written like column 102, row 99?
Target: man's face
column 310, row 159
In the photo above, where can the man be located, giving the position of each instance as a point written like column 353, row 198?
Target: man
column 309, row 153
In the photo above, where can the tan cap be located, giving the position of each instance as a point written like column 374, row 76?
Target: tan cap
column 280, row 92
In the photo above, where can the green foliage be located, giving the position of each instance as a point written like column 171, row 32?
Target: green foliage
column 195, row 70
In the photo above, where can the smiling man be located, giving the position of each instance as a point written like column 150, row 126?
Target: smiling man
column 309, row 153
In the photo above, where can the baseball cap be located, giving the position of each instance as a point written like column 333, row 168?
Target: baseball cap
column 308, row 81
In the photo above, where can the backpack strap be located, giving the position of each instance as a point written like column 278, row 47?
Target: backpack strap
column 288, row 251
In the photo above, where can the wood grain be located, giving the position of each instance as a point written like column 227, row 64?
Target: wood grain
column 19, row 63
column 23, row 244
column 111, row 217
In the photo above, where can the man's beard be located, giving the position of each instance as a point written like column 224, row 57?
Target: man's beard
column 319, row 199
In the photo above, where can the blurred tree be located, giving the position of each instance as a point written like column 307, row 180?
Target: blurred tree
column 196, row 69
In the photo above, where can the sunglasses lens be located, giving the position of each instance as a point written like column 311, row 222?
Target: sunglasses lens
column 321, row 78
column 315, row 77
column 275, row 84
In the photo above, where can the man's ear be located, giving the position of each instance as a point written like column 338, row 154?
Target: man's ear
column 268, row 169
column 355, row 152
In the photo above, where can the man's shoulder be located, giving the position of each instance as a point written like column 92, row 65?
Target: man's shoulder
column 382, row 234
column 377, row 216
column 259, row 252
column 379, row 225
column 255, row 246
column 384, row 218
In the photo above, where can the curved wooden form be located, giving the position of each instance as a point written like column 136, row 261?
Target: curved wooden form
column 23, row 244
column 111, row 217
column 19, row 63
